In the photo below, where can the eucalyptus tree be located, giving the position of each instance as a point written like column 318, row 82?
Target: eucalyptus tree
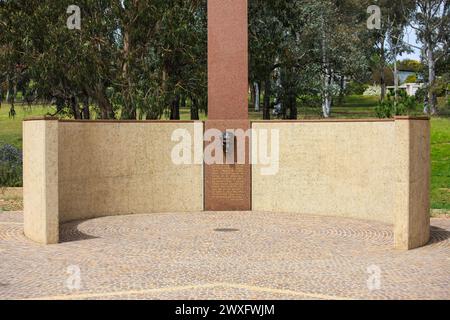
column 162, row 59
column 88, row 57
column 181, row 45
column 388, row 39
column 292, row 50
column 395, row 33
column 265, row 36
column 311, row 45
column 341, row 48
column 64, row 65
column 128, row 57
column 195, row 73
column 280, row 53
column 432, row 24
column 13, row 46
column 135, row 85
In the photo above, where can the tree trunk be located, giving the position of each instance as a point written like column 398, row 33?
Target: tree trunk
column 7, row 89
column 326, row 98
column 74, row 106
column 175, row 108
column 129, row 111
column 204, row 103
column 12, row 110
column 252, row 94
column 86, row 114
column 267, row 94
column 105, row 106
column 326, row 104
column 293, row 113
column 341, row 89
column 60, row 103
column 194, row 109
column 382, row 73
column 257, row 96
column 396, row 82
column 432, row 99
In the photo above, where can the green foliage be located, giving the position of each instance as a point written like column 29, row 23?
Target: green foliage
column 385, row 109
column 421, row 94
column 391, row 107
column 129, row 57
column 411, row 79
column 295, row 45
column 372, row 91
column 440, row 87
column 10, row 166
column 410, row 65
column 388, row 77
column 356, row 88
column 142, row 59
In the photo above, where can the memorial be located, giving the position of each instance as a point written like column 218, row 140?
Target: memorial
column 228, row 186
column 325, row 167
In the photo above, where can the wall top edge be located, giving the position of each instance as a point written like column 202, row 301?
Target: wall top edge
column 129, row 121
column 45, row 118
column 50, row 118
column 323, row 120
column 41, row 118
column 397, row 118
column 412, row 118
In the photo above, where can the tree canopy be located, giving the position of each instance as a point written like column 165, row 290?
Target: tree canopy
column 134, row 59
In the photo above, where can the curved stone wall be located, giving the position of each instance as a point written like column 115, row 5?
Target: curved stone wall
column 124, row 168
column 330, row 168
column 368, row 169
column 77, row 170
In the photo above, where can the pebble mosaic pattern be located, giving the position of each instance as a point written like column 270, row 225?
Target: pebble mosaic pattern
column 222, row 255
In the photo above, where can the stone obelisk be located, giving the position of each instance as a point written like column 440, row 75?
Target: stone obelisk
column 228, row 186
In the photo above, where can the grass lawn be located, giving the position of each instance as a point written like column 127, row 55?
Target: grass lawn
column 11, row 129
column 353, row 107
column 440, row 155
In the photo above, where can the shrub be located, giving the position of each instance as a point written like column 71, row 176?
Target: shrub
column 373, row 91
column 384, row 109
column 421, row 94
column 355, row 88
column 391, row 107
column 10, row 166
column 410, row 65
column 440, row 88
column 411, row 79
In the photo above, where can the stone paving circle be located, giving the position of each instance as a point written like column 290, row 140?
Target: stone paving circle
column 222, row 255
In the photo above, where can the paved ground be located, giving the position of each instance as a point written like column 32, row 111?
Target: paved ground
column 222, row 256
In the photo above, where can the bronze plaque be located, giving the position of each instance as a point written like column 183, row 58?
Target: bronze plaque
column 228, row 186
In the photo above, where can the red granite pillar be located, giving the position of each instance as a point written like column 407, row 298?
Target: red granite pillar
column 228, row 186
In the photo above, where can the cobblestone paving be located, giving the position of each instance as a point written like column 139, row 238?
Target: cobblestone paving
column 222, row 256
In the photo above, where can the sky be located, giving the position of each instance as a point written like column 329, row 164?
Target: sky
column 411, row 38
